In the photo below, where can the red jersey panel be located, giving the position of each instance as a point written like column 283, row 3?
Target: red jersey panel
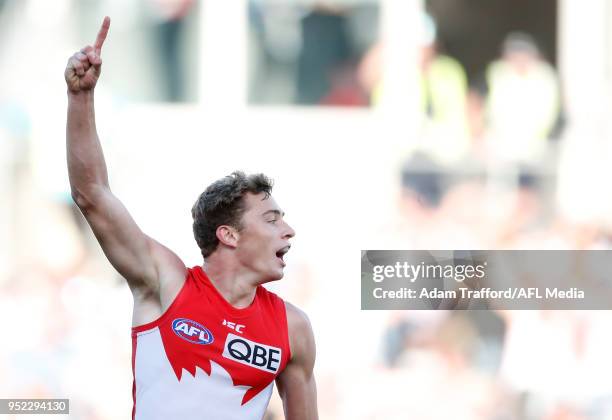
column 205, row 359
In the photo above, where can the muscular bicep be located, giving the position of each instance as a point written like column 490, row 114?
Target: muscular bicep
column 296, row 384
column 142, row 261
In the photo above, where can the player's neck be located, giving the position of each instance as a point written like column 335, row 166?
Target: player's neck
column 234, row 283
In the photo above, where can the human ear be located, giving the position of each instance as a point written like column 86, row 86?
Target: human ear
column 227, row 235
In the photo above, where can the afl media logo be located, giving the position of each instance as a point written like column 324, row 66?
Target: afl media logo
column 191, row 331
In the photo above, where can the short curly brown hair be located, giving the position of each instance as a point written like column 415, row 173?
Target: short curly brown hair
column 222, row 203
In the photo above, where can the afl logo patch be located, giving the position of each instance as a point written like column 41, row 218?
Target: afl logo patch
column 191, row 331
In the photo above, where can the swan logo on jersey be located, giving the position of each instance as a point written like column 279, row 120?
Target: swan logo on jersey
column 191, row 331
column 250, row 353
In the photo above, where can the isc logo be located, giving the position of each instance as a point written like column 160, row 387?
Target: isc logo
column 191, row 331
column 237, row 327
column 250, row 353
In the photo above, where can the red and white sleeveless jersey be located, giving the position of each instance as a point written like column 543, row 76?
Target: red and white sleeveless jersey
column 205, row 359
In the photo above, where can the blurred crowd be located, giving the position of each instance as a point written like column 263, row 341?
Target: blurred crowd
column 488, row 169
column 494, row 365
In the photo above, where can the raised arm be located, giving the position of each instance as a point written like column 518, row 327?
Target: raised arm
column 149, row 268
column 296, row 384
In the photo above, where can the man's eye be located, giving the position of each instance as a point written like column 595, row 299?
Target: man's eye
column 272, row 221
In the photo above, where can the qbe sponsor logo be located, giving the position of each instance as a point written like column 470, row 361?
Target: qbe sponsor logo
column 250, row 353
column 192, row 331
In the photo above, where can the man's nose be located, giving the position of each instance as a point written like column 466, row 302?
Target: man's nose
column 289, row 232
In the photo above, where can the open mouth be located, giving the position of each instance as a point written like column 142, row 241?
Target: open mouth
column 280, row 254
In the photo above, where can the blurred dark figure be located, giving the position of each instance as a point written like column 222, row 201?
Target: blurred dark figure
column 395, row 341
column 422, row 177
column 524, row 101
column 490, row 329
column 325, row 49
column 475, row 108
column 168, row 29
column 345, row 88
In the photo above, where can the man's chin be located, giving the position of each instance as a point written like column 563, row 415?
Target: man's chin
column 277, row 276
column 274, row 277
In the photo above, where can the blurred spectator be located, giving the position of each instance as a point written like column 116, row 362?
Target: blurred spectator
column 443, row 98
column 442, row 95
column 274, row 45
column 325, row 49
column 168, row 27
column 523, row 102
column 309, row 53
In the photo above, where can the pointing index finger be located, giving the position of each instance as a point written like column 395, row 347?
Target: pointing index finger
column 102, row 35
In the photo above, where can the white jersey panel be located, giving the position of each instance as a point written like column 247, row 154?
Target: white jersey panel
column 193, row 397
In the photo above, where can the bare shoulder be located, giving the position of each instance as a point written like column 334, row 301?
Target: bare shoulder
column 171, row 270
column 301, row 337
column 296, row 317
